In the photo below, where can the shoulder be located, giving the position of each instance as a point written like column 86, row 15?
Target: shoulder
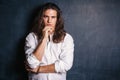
column 31, row 36
column 68, row 41
column 68, row 37
column 31, row 40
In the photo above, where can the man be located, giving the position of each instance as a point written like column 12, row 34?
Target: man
column 48, row 48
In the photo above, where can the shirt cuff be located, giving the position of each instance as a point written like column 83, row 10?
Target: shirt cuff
column 59, row 67
column 33, row 61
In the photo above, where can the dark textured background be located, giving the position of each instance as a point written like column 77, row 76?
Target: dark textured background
column 94, row 25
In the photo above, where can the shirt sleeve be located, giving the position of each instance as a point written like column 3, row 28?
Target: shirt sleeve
column 29, row 48
column 66, row 57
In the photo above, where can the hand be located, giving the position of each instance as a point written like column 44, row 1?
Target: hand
column 34, row 70
column 47, row 31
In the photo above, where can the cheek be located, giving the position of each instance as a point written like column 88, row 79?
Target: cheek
column 55, row 22
column 45, row 21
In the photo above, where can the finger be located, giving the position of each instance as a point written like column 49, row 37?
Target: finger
column 27, row 67
column 47, row 28
column 31, row 70
column 27, row 64
column 47, row 31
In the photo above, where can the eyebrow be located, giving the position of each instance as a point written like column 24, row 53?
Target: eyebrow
column 51, row 16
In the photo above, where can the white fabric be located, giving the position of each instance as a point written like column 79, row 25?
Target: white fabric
column 61, row 54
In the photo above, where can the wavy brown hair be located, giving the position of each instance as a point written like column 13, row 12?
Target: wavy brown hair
column 59, row 33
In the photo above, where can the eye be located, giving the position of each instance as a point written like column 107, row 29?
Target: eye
column 53, row 16
column 45, row 16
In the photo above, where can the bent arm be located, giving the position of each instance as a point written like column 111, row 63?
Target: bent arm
column 66, row 59
column 47, row 69
column 39, row 51
column 34, row 54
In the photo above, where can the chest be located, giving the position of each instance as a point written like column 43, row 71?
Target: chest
column 54, row 48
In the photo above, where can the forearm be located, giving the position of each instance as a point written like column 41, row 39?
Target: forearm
column 40, row 49
column 47, row 69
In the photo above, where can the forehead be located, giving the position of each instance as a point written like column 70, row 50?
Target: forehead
column 50, row 12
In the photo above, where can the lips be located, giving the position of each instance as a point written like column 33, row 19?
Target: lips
column 49, row 24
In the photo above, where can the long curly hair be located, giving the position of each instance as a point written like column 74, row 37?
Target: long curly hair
column 59, row 33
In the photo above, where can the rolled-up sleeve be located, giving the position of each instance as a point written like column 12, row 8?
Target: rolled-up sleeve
column 67, row 54
column 29, row 48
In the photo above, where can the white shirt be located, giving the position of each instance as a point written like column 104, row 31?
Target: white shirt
column 61, row 54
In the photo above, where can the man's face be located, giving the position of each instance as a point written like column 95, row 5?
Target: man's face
column 50, row 18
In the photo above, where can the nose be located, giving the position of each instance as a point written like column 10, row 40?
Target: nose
column 49, row 20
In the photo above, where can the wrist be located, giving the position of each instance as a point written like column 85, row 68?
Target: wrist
column 38, row 71
column 43, row 40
